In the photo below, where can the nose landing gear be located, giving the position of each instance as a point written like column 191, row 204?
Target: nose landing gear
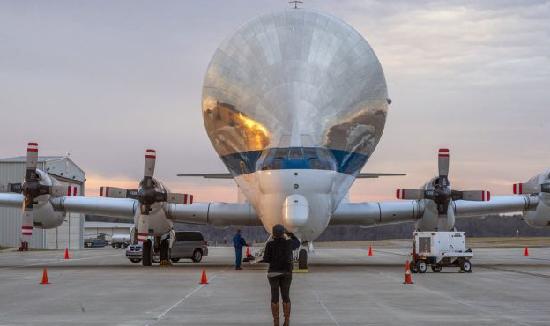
column 303, row 255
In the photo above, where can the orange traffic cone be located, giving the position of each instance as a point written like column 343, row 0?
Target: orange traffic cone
column 204, row 279
column 66, row 254
column 526, row 252
column 408, row 275
column 45, row 276
column 370, row 251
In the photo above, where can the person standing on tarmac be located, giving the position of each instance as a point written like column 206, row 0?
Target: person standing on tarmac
column 238, row 243
column 278, row 253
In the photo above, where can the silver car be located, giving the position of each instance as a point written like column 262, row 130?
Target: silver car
column 188, row 244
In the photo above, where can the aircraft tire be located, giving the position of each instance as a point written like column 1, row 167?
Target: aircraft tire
column 147, row 253
column 164, row 250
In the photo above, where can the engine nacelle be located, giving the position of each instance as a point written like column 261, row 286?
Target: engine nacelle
column 45, row 217
column 541, row 216
column 156, row 223
column 432, row 221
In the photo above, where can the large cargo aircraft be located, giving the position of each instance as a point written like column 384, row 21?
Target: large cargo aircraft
column 294, row 103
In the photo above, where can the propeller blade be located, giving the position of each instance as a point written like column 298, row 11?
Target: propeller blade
column 142, row 228
column 443, row 161
column 113, row 192
column 27, row 223
column 174, row 198
column 150, row 157
column 476, row 195
column 32, row 156
column 410, row 194
column 526, row 188
column 545, row 187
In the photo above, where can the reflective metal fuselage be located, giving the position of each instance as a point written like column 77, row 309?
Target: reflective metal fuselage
column 295, row 103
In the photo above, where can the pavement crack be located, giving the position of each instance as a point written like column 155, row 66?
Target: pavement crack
column 180, row 301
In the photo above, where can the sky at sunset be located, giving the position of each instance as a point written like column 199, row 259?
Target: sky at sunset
column 104, row 80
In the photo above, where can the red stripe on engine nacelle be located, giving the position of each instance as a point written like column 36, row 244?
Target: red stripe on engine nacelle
column 74, row 191
column 26, row 227
column 32, row 150
column 150, row 156
column 190, row 199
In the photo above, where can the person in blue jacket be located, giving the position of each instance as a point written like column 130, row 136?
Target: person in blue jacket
column 238, row 243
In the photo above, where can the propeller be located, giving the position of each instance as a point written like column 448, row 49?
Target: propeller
column 440, row 192
column 35, row 184
column 149, row 193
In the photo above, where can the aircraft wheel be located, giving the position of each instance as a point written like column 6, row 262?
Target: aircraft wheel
column 302, row 259
column 164, row 248
column 147, row 253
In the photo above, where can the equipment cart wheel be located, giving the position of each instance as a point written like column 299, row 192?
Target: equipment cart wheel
column 421, row 266
column 437, row 268
column 302, row 259
column 466, row 266
column 413, row 267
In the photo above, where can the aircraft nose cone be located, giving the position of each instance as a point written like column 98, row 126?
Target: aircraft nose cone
column 295, row 211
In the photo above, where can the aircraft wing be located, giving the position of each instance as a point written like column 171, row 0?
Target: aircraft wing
column 377, row 175
column 229, row 176
column 218, row 214
column 105, row 206
column 378, row 213
column 207, row 175
column 11, row 200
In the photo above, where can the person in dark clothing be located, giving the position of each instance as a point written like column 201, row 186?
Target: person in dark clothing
column 238, row 243
column 278, row 253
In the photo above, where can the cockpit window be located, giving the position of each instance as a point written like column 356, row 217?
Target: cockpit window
column 280, row 153
column 295, row 153
column 297, row 158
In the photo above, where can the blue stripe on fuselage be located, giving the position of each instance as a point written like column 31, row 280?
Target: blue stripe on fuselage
column 331, row 159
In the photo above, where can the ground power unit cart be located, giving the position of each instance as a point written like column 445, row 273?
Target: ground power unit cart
column 438, row 250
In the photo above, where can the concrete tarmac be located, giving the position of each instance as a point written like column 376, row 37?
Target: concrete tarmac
column 343, row 287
